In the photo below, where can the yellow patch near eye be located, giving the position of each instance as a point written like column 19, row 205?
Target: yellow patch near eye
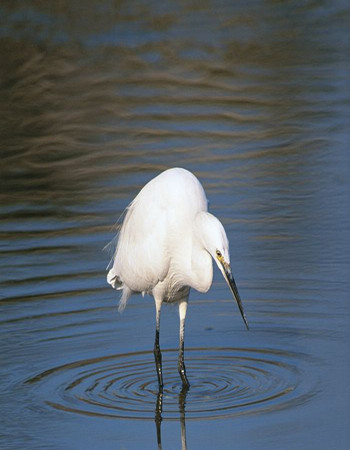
column 219, row 255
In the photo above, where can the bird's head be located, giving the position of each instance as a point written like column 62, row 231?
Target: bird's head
column 215, row 241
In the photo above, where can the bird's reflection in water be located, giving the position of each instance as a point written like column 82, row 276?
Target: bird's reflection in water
column 158, row 416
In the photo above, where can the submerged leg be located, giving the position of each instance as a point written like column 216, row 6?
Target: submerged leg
column 181, row 365
column 157, row 352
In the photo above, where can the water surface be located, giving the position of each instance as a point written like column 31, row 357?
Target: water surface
column 254, row 99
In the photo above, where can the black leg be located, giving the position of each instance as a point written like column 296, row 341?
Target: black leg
column 158, row 360
column 181, row 365
column 156, row 351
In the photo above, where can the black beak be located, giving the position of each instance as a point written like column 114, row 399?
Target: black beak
column 232, row 285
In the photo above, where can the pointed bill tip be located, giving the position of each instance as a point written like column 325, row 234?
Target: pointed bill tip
column 232, row 285
column 246, row 322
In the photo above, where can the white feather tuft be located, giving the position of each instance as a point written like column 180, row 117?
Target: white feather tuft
column 124, row 298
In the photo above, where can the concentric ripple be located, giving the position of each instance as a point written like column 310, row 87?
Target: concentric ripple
column 224, row 382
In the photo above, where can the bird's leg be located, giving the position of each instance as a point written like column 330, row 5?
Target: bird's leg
column 181, row 365
column 157, row 352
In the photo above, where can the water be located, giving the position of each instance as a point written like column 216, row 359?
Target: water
column 254, row 99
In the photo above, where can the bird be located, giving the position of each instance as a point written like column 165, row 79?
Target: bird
column 166, row 245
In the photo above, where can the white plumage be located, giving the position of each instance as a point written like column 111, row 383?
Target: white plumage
column 166, row 245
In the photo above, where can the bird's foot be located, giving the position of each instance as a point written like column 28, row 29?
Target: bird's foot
column 182, row 372
column 158, row 360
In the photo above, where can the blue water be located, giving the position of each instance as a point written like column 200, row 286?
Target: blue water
column 253, row 99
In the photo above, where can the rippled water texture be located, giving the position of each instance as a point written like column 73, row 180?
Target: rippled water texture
column 226, row 382
column 96, row 99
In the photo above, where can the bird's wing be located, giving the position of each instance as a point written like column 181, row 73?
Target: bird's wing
column 155, row 228
column 141, row 258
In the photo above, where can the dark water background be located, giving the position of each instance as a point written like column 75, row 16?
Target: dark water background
column 98, row 97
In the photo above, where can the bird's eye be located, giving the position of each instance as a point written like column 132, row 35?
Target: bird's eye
column 218, row 254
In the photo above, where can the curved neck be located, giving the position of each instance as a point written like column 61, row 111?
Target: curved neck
column 201, row 261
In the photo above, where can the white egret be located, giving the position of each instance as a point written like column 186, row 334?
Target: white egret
column 165, row 247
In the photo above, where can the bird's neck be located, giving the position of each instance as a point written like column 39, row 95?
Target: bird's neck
column 201, row 261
